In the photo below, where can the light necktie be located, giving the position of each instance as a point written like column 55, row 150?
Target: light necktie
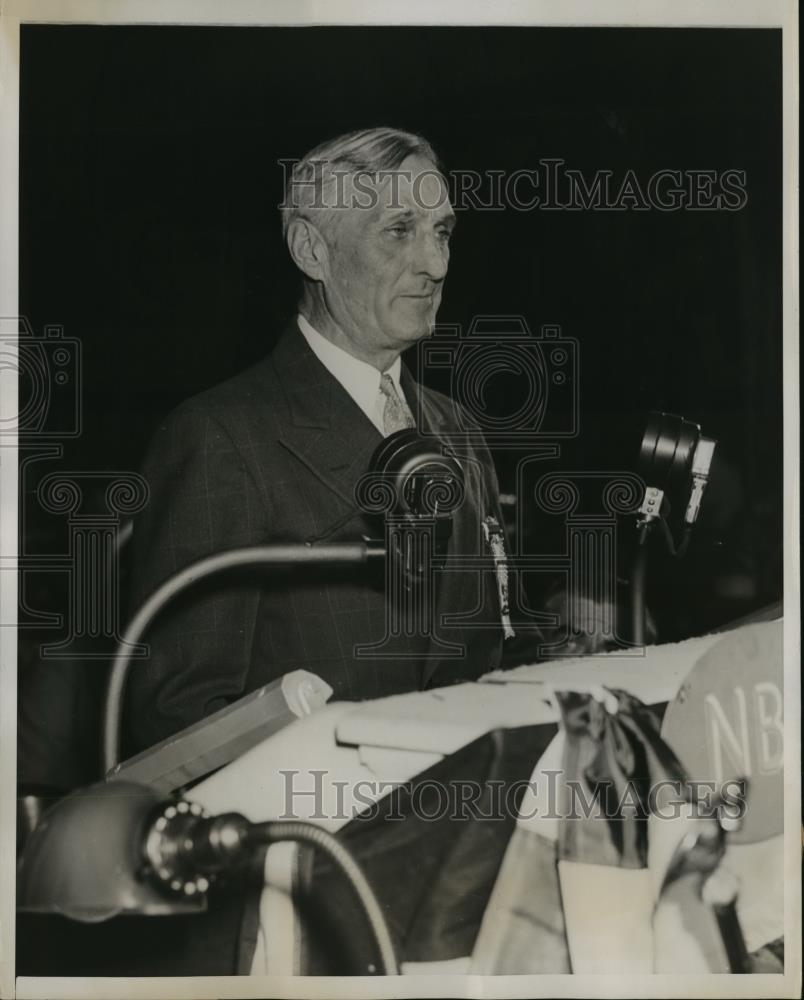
column 396, row 416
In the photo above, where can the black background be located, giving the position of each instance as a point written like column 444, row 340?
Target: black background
column 149, row 230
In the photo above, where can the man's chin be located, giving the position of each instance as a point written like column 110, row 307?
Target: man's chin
column 416, row 329
column 412, row 334
column 415, row 316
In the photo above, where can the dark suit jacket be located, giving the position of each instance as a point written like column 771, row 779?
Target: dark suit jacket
column 273, row 455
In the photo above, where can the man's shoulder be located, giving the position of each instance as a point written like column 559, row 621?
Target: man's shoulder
column 242, row 409
column 258, row 393
column 251, row 388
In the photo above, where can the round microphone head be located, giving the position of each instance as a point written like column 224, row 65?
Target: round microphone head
column 667, row 449
column 428, row 479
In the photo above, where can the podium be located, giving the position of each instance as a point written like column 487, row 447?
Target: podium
column 336, row 763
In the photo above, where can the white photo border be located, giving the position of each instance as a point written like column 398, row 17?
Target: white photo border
column 637, row 13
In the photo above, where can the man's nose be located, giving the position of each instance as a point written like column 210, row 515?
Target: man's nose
column 431, row 257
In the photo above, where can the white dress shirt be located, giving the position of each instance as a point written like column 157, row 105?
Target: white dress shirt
column 360, row 379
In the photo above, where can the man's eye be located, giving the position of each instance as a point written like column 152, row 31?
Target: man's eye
column 398, row 231
column 444, row 235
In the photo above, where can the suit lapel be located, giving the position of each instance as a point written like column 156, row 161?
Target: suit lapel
column 429, row 419
column 327, row 431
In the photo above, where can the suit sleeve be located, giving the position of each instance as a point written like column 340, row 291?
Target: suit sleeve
column 203, row 500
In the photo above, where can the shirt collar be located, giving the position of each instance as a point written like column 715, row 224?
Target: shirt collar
column 360, row 379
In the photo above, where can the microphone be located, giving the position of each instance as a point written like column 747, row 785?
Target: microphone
column 426, row 482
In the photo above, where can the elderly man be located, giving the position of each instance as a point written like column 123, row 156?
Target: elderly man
column 275, row 455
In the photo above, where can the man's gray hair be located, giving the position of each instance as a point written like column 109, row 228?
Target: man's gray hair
column 371, row 150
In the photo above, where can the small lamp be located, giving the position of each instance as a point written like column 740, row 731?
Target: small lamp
column 118, row 848
column 84, row 859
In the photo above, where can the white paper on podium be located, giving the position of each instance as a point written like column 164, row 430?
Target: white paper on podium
column 443, row 720
column 653, row 674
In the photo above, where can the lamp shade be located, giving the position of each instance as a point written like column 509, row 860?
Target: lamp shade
column 85, row 858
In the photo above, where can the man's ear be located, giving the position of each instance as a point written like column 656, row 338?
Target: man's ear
column 308, row 248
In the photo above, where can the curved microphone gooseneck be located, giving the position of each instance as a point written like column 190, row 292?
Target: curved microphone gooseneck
column 266, row 557
column 260, row 556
